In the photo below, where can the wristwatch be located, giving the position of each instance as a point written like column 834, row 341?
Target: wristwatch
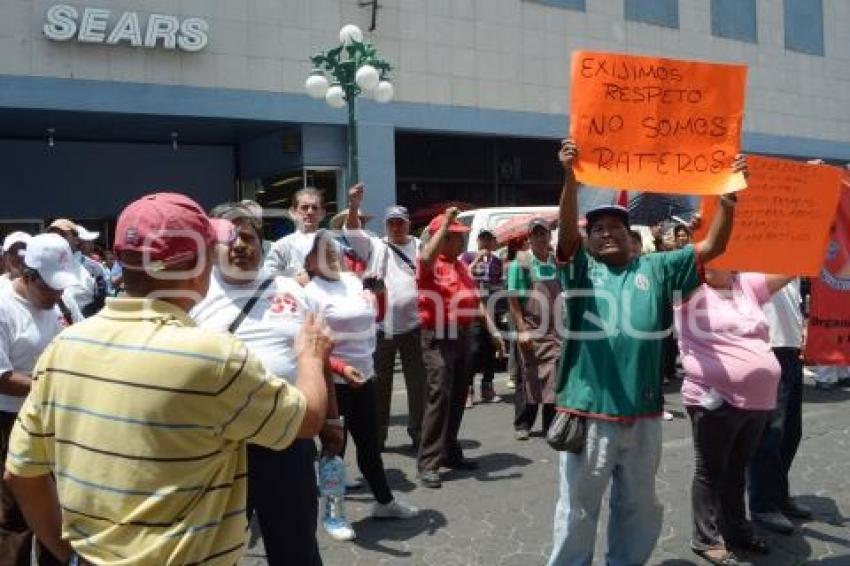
column 337, row 422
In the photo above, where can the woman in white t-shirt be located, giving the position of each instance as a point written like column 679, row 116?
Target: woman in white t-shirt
column 350, row 311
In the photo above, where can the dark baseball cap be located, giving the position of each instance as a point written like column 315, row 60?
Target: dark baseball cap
column 618, row 211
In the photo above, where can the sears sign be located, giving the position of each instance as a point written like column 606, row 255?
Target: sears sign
column 99, row 25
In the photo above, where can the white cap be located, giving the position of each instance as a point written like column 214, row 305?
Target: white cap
column 15, row 238
column 85, row 235
column 51, row 256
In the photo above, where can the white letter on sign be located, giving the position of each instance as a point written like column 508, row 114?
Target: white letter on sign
column 93, row 25
column 193, row 34
column 162, row 27
column 61, row 22
column 127, row 29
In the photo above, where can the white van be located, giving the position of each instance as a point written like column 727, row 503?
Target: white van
column 490, row 219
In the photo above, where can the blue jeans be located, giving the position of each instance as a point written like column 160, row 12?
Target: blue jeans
column 627, row 455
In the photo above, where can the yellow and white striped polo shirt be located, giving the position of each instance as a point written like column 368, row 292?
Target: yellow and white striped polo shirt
column 142, row 418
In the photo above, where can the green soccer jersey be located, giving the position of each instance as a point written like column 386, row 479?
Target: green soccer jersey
column 616, row 319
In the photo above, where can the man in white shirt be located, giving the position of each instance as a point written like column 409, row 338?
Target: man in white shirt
column 286, row 256
column 281, row 484
column 770, row 501
column 393, row 259
column 31, row 315
column 13, row 245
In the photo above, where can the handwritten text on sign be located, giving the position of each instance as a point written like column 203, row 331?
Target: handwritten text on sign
column 782, row 220
column 658, row 125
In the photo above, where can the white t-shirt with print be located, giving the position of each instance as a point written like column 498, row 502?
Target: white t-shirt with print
column 350, row 312
column 269, row 330
column 25, row 331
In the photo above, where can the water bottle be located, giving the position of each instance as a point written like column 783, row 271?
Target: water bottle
column 711, row 400
column 331, row 476
column 332, row 488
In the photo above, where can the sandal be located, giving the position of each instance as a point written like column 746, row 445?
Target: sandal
column 754, row 544
column 718, row 556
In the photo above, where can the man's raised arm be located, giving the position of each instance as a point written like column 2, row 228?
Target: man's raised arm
column 720, row 231
column 569, row 238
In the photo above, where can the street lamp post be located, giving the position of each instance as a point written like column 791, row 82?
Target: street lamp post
column 343, row 73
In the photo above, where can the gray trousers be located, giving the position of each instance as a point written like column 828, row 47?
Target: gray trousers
column 409, row 346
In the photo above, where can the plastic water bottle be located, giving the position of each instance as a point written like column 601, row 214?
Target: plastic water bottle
column 331, row 476
column 332, row 488
column 711, row 400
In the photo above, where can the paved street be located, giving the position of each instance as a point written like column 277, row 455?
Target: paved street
column 502, row 513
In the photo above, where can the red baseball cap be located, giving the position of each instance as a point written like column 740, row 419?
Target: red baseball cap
column 456, row 227
column 163, row 228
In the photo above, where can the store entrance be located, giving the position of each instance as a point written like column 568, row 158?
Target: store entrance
column 275, row 194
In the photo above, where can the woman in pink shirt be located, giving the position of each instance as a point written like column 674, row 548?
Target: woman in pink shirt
column 729, row 390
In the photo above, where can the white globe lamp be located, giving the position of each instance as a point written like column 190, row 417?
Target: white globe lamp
column 383, row 92
column 350, row 34
column 367, row 77
column 317, row 84
column 335, row 96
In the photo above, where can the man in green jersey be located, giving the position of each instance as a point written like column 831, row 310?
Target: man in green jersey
column 610, row 370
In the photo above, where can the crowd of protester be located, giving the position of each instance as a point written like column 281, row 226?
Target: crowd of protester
column 157, row 396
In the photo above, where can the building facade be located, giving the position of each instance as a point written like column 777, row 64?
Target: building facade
column 104, row 100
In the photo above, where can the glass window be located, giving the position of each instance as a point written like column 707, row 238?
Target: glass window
column 571, row 4
column 804, row 26
column 735, row 19
column 657, row 12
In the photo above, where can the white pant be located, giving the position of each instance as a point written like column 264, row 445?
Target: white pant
column 627, row 456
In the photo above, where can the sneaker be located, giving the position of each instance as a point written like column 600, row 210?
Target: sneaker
column 488, row 394
column 521, row 434
column 395, row 509
column 353, row 483
column 776, row 522
column 668, row 416
column 430, row 478
column 338, row 528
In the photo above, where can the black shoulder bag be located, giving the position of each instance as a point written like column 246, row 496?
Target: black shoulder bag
column 249, row 305
column 401, row 255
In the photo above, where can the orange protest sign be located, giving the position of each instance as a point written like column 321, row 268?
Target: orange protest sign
column 782, row 220
column 656, row 125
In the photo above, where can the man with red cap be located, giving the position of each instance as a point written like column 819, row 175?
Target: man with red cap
column 448, row 305
column 142, row 418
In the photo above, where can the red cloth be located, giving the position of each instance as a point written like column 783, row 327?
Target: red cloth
column 828, row 335
column 447, row 294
